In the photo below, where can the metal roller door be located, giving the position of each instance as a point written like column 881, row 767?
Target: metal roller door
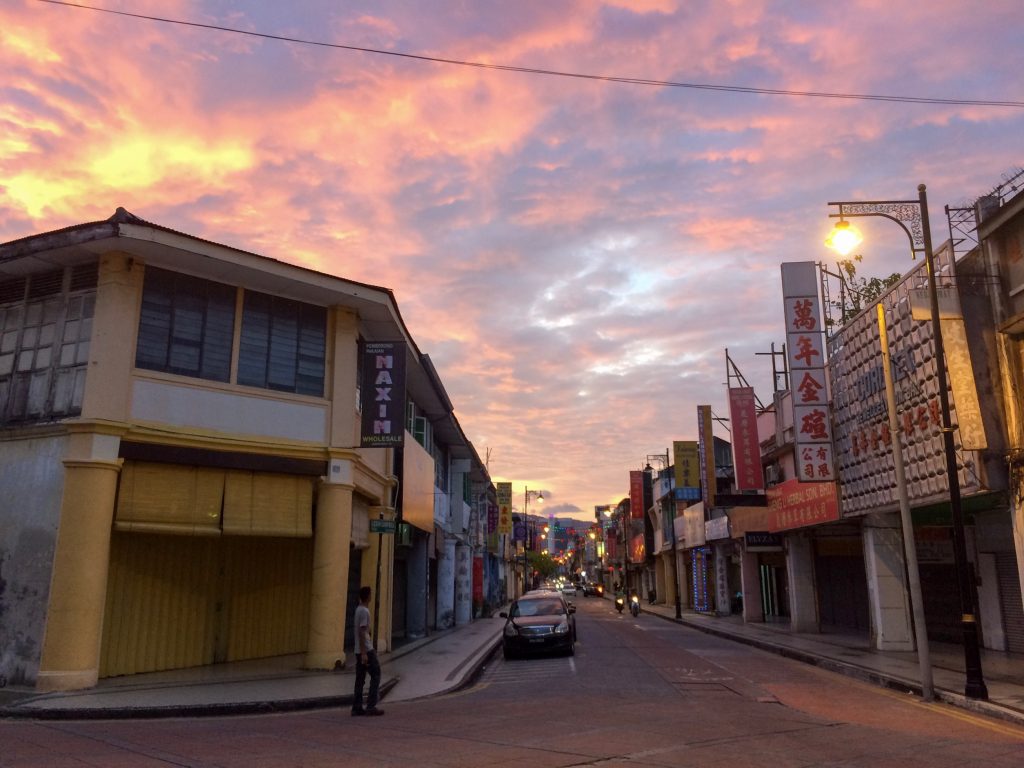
column 1010, row 601
column 185, row 601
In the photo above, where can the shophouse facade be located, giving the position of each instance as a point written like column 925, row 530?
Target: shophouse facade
column 868, row 491
column 180, row 455
column 442, row 511
column 840, row 544
column 999, row 218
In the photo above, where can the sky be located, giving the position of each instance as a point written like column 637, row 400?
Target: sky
column 576, row 255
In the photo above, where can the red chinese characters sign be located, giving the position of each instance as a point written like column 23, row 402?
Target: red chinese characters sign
column 636, row 495
column 793, row 504
column 812, row 413
column 746, row 448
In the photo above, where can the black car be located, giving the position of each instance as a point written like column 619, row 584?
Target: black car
column 593, row 589
column 539, row 622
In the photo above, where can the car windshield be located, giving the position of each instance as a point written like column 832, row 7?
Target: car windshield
column 537, row 608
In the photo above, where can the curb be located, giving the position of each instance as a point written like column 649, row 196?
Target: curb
column 188, row 710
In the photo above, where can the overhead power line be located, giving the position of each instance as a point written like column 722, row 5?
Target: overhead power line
column 557, row 73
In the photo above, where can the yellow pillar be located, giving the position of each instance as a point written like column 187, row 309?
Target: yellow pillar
column 78, row 586
column 671, row 577
column 330, row 573
column 108, row 386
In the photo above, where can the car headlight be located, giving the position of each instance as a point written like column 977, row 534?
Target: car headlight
column 511, row 630
column 562, row 629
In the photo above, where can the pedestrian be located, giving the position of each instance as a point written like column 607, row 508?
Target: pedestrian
column 366, row 660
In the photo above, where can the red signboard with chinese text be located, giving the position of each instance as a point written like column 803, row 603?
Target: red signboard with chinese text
column 478, row 579
column 746, row 448
column 636, row 495
column 793, row 504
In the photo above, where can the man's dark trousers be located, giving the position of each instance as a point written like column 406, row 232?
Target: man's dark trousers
column 373, row 666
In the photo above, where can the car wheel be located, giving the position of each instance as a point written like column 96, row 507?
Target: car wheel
column 507, row 654
column 571, row 651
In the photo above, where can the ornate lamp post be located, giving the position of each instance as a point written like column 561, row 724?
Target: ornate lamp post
column 912, row 216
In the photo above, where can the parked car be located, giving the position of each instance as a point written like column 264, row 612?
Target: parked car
column 539, row 622
column 569, row 589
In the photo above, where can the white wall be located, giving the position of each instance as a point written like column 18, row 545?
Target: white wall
column 199, row 406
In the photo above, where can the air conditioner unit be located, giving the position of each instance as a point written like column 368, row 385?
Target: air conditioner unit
column 773, row 474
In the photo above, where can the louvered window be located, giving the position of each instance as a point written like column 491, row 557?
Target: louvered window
column 186, row 325
column 283, row 345
column 45, row 331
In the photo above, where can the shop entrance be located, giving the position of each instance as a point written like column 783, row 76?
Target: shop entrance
column 774, row 585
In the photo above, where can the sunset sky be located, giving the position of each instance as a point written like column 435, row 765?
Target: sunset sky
column 574, row 254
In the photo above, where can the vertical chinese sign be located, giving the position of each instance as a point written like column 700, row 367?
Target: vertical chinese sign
column 383, row 394
column 805, row 350
column 746, row 448
column 492, row 527
column 504, row 495
column 636, row 495
column 706, row 442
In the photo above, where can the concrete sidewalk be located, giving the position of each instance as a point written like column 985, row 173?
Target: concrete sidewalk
column 852, row 655
column 437, row 664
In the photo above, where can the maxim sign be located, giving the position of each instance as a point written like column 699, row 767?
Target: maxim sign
column 383, row 393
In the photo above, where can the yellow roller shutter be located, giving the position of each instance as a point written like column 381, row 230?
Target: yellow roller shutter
column 167, row 498
column 262, row 504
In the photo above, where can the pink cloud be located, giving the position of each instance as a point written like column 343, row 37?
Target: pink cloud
column 546, row 237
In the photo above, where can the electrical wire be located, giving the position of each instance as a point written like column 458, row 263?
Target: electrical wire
column 558, row 73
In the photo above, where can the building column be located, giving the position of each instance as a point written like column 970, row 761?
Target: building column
column 888, row 595
column 750, row 576
column 78, row 587
column 329, row 591
column 660, row 587
column 685, row 579
column 1017, row 522
column 803, row 605
column 463, row 584
column 108, row 385
column 723, row 595
column 446, row 584
column 671, row 577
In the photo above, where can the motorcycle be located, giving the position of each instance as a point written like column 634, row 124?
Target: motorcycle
column 634, row 605
column 620, row 602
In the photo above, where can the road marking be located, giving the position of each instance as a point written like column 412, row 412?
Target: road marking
column 941, row 708
column 972, row 718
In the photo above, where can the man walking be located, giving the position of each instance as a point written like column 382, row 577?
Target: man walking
column 366, row 659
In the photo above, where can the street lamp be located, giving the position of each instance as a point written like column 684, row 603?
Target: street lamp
column 912, row 216
column 664, row 460
column 539, row 495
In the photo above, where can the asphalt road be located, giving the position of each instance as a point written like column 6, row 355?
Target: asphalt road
column 638, row 692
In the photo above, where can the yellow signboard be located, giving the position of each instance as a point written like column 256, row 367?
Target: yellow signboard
column 504, row 494
column 686, row 459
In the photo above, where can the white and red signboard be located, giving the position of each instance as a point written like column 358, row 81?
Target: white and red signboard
column 805, row 350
